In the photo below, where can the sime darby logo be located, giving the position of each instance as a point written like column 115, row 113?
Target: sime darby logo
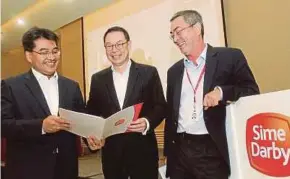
column 268, row 143
column 119, row 122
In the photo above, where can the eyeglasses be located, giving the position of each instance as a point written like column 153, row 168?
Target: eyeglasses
column 178, row 32
column 46, row 54
column 118, row 46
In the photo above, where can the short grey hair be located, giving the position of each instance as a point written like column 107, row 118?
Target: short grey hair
column 190, row 17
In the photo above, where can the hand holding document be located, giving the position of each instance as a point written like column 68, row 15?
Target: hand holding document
column 138, row 125
column 94, row 143
column 89, row 125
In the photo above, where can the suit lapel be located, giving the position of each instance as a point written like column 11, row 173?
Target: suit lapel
column 210, row 68
column 133, row 76
column 34, row 87
column 62, row 90
column 111, row 88
column 178, row 84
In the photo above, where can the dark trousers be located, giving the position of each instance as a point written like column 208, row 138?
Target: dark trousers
column 129, row 155
column 63, row 171
column 198, row 158
column 2, row 172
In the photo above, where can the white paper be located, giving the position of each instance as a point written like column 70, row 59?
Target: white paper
column 83, row 124
column 118, row 122
column 89, row 125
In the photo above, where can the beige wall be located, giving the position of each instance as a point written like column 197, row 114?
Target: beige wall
column 72, row 52
column 13, row 63
column 116, row 11
column 261, row 28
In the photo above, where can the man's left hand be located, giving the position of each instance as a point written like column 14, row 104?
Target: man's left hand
column 212, row 98
column 138, row 126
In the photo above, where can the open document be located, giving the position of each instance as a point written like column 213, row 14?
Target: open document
column 89, row 125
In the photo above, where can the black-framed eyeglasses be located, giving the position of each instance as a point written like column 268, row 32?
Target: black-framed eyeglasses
column 46, row 54
column 118, row 46
column 178, row 32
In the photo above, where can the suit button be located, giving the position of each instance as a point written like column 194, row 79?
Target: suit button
column 175, row 123
column 173, row 142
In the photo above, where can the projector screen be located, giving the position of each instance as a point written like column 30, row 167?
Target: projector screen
column 148, row 25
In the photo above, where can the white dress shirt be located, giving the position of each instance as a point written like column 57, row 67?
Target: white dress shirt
column 49, row 87
column 120, row 83
column 185, row 121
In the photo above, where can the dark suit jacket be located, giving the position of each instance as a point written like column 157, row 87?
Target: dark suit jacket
column 143, row 86
column 225, row 67
column 23, row 108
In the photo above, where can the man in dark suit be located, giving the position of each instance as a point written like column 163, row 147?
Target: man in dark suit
column 37, row 145
column 198, row 88
column 126, row 83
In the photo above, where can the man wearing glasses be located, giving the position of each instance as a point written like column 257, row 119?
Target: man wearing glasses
column 198, row 88
column 125, row 83
column 37, row 144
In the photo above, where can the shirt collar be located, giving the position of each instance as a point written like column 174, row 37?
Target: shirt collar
column 40, row 76
column 126, row 70
column 200, row 59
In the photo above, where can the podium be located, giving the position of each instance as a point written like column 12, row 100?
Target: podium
column 258, row 134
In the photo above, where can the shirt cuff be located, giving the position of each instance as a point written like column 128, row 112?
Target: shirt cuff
column 147, row 127
column 42, row 131
column 221, row 91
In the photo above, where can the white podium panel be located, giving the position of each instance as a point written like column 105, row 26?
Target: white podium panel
column 258, row 134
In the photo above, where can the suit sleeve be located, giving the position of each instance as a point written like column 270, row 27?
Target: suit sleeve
column 78, row 102
column 168, row 118
column 243, row 78
column 11, row 126
column 92, row 104
column 157, row 103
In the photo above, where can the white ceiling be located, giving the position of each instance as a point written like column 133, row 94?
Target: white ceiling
column 10, row 8
column 51, row 14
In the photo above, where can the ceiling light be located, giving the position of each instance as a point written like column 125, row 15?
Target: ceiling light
column 20, row 21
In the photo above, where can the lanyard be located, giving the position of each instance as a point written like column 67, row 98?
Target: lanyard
column 195, row 89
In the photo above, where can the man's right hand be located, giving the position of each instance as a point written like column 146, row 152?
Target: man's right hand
column 95, row 143
column 53, row 124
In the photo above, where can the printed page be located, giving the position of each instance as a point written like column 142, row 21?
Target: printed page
column 83, row 124
column 119, row 122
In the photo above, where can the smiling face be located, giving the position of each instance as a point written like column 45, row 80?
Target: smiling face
column 117, row 48
column 44, row 57
column 186, row 36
